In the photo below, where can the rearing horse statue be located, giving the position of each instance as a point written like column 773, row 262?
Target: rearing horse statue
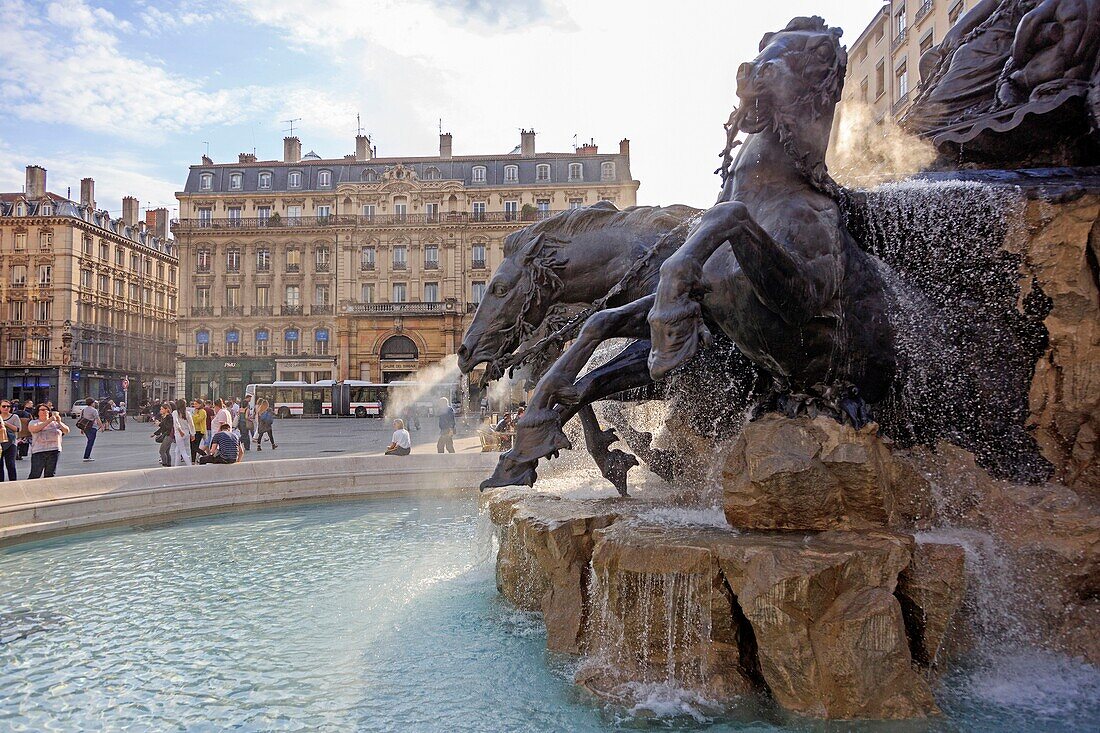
column 771, row 265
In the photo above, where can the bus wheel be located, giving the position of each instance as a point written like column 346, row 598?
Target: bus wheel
column 284, row 412
column 360, row 412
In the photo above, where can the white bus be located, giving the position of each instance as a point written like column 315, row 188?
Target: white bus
column 294, row 398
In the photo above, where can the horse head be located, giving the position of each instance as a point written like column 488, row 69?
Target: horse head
column 516, row 300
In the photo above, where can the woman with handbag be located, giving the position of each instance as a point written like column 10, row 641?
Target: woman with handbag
column 88, row 423
column 183, row 430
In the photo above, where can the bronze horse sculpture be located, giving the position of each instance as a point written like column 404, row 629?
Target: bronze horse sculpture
column 793, row 290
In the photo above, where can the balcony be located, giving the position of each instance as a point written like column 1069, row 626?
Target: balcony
column 431, row 264
column 322, row 267
column 899, row 105
column 382, row 309
column 899, row 39
column 262, row 310
column 201, row 310
column 291, row 310
column 320, row 310
column 354, row 220
column 366, row 265
column 233, row 310
column 924, row 9
column 400, row 265
column 293, row 267
column 478, row 264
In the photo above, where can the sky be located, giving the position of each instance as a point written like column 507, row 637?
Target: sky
column 132, row 92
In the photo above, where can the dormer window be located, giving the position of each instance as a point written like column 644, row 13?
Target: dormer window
column 478, row 174
column 542, row 173
column 206, row 181
column 324, row 179
column 607, row 170
column 576, row 172
column 236, row 181
column 265, row 180
column 369, row 176
column 431, row 173
column 47, row 210
column 20, row 209
column 511, row 174
column 294, row 179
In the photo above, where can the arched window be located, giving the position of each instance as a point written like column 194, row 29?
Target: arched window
column 542, row 173
column 294, row 179
column 431, row 173
column 607, row 170
column 263, row 336
column 478, row 174
column 233, row 259
column 206, row 181
column 369, row 176
column 324, row 179
column 202, row 260
column 265, row 179
column 290, row 341
column 322, row 258
column 202, row 343
column 232, row 342
column 236, row 181
column 320, row 341
column 399, row 348
column 263, row 258
column 511, row 174
column 576, row 172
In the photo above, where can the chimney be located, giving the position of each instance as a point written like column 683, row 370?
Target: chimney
column 445, row 145
column 527, row 143
column 157, row 221
column 36, row 182
column 87, row 192
column 362, row 147
column 589, row 148
column 207, row 160
column 292, row 149
column 246, row 157
column 624, row 147
column 130, row 210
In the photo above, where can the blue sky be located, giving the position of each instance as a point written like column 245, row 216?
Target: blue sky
column 131, row 92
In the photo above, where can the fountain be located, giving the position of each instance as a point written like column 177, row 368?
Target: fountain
column 888, row 394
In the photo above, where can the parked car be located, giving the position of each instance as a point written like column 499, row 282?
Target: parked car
column 77, row 407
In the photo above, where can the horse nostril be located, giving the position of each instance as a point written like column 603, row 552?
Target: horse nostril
column 463, row 352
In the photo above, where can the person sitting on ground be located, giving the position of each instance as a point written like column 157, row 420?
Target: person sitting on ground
column 402, row 441
column 225, row 447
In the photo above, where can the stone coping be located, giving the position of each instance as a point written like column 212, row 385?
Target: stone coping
column 32, row 508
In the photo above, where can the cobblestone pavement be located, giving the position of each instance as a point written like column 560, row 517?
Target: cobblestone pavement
column 121, row 450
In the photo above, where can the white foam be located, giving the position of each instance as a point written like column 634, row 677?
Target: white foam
column 665, row 700
column 670, row 516
column 1037, row 682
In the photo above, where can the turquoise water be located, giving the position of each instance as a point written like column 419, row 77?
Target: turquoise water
column 372, row 615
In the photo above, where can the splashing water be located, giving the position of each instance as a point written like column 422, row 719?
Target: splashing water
column 426, row 386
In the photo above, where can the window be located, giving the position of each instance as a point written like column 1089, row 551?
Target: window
column 576, row 203
column 954, row 13
column 294, row 260
column 369, row 176
column 477, row 290
column 232, row 342
column 293, row 214
column 431, row 256
column 206, row 181
column 511, row 174
column 366, row 293
column 479, row 211
column 902, row 76
column 120, row 288
column 45, row 274
column 478, row 174
column 431, row 292
column 322, row 259
column 42, row 349
column 85, row 278
column 863, row 90
column 294, row 179
column 135, row 263
column 607, row 170
column 400, row 295
column 366, row 258
column 17, row 350
column 202, row 343
column 900, row 22
column 576, row 171
column 20, row 240
column 926, row 42
column 263, row 215
column 478, row 255
column 431, row 212
column 202, row 260
column 104, row 251
column 236, row 181
column 160, row 271
column 234, row 216
column 45, row 240
column 400, row 257
column 293, row 295
column 206, row 217
column 202, row 297
column 321, row 295
column 320, row 341
column 15, row 310
column 290, row 340
column 262, row 338
column 511, row 210
column 544, row 207
column 263, row 259
column 368, row 211
column 233, row 259
column 880, row 79
column 18, row 275
column 104, row 284
column 43, row 310
column 265, row 180
column 232, row 297
column 133, row 292
column 120, row 257
column 324, row 179
column 171, row 274
column 324, row 212
column 542, row 173
column 47, row 210
column 400, row 208
column 263, row 296
column 431, row 173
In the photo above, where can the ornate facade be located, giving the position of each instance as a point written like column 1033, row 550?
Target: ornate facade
column 89, row 300
column 359, row 267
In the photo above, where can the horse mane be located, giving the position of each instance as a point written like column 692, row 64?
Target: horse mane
column 559, row 228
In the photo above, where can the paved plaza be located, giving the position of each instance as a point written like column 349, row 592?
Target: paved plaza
column 122, row 450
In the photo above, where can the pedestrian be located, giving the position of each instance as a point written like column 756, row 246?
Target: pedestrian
column 447, row 426
column 208, row 408
column 106, row 414
column 122, row 414
column 9, row 434
column 222, row 416
column 265, row 419
column 225, row 447
column 401, row 445
column 198, row 425
column 234, row 409
column 47, row 431
column 163, row 435
column 244, row 422
column 412, row 417
column 25, row 417
column 88, row 423
column 183, row 430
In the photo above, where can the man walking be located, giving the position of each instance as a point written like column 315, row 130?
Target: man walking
column 446, row 427
column 88, row 423
column 163, row 435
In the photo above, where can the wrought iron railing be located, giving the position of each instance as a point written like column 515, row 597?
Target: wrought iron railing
column 377, row 220
column 396, row 308
column 202, row 310
column 233, row 310
column 292, row 310
column 320, row 310
column 924, row 9
column 262, row 310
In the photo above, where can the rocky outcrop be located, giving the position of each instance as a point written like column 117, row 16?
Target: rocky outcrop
column 931, row 590
column 816, row 474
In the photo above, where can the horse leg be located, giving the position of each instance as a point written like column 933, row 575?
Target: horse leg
column 539, row 433
column 777, row 279
column 613, row 464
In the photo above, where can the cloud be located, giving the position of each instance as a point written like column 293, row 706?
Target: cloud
column 163, row 17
